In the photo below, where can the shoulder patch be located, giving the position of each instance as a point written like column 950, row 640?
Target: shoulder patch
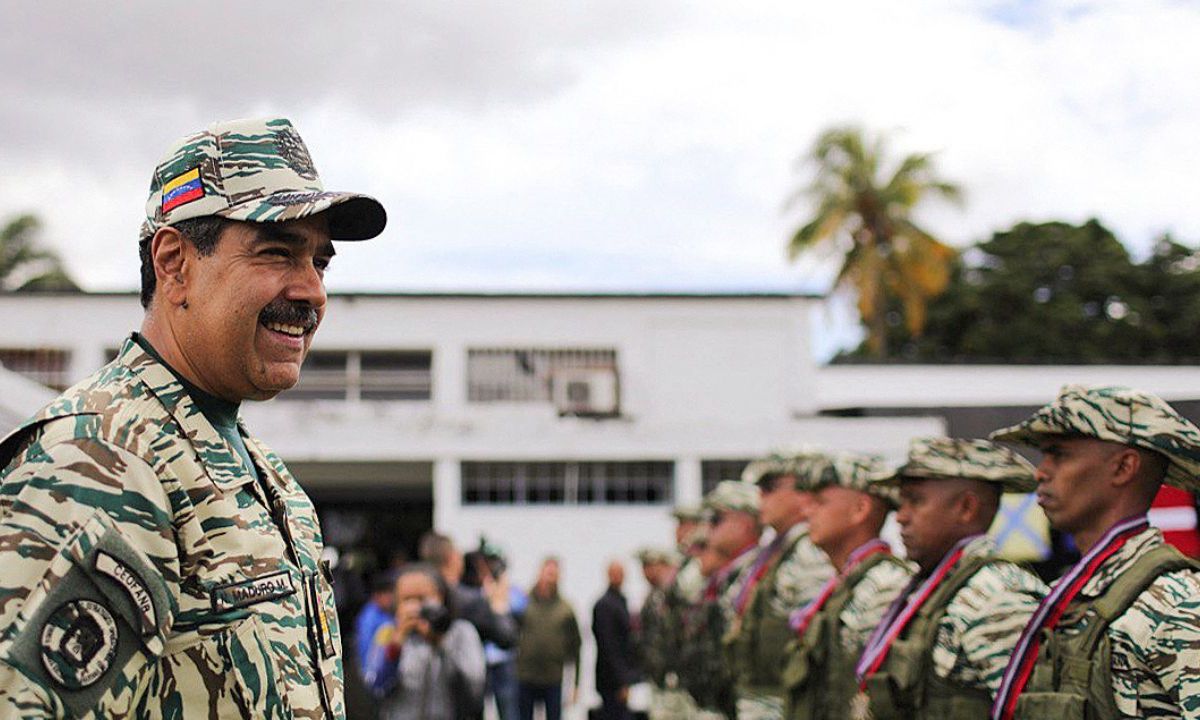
column 79, row 642
column 133, row 584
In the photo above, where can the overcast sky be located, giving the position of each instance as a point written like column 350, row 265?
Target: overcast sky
column 603, row 145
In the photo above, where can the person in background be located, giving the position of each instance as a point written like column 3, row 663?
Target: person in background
column 377, row 612
column 549, row 642
column 484, row 569
column 425, row 664
column 486, row 607
column 616, row 661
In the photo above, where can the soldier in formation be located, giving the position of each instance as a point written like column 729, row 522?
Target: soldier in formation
column 1119, row 635
column 786, row 574
column 950, row 631
column 828, row 633
column 943, row 643
column 732, row 546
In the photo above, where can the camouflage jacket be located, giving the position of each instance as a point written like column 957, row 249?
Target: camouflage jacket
column 654, row 636
column 793, row 580
column 1155, row 644
column 983, row 621
column 949, row 660
column 702, row 668
column 819, row 671
column 148, row 573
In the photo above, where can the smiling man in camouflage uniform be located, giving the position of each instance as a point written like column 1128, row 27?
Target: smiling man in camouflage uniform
column 1119, row 635
column 158, row 560
column 787, row 573
column 942, row 646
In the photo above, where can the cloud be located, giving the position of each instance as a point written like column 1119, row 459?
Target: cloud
column 606, row 144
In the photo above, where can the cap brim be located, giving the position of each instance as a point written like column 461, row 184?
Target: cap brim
column 352, row 216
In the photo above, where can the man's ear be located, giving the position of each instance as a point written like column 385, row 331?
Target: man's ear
column 968, row 506
column 1126, row 465
column 170, row 254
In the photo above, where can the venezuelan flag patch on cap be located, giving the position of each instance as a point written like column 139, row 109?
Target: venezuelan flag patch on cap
column 181, row 190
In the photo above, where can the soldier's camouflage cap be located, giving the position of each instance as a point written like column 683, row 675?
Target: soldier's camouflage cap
column 861, row 472
column 688, row 513
column 256, row 170
column 651, row 555
column 947, row 458
column 1120, row 415
column 733, row 495
column 805, row 465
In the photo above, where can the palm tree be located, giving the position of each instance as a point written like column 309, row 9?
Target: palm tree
column 24, row 265
column 866, row 215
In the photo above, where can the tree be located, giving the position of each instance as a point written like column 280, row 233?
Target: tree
column 24, row 265
column 865, row 210
column 1060, row 293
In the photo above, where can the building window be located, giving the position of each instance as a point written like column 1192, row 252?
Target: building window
column 372, row 375
column 527, row 375
column 714, row 471
column 567, row 483
column 47, row 366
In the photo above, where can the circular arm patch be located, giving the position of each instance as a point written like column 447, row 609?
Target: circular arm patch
column 79, row 641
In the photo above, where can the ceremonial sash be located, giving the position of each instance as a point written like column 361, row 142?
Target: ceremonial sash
column 901, row 612
column 800, row 619
column 713, row 589
column 1051, row 609
column 761, row 564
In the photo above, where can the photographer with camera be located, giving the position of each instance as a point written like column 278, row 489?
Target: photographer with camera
column 426, row 665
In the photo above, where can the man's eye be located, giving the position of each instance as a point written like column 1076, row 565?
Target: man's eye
column 321, row 264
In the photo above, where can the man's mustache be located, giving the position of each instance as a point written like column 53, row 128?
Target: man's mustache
column 286, row 312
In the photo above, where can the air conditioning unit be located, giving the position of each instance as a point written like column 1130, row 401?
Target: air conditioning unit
column 586, row 392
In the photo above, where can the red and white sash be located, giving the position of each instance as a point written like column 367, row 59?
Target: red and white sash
column 1051, row 609
column 800, row 619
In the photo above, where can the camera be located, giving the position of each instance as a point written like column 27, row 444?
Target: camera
column 437, row 616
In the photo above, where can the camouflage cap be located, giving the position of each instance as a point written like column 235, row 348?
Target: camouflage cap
column 1120, row 415
column 805, row 465
column 941, row 457
column 688, row 513
column 651, row 555
column 256, row 170
column 861, row 472
column 733, row 495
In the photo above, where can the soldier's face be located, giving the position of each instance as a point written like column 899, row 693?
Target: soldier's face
column 832, row 510
column 254, row 305
column 927, row 516
column 1072, row 476
column 782, row 504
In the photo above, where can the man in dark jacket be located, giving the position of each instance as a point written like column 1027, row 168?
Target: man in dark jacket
column 616, row 660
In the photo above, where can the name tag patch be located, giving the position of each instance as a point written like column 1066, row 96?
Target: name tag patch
column 249, row 592
column 132, row 584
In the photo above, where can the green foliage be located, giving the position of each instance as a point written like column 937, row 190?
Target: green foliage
column 862, row 208
column 24, row 266
column 1058, row 293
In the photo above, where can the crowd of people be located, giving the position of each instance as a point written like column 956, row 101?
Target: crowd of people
column 781, row 600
